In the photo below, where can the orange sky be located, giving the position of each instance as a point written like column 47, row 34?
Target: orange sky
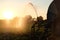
column 21, row 7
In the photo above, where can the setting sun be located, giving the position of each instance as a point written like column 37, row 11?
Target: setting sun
column 8, row 14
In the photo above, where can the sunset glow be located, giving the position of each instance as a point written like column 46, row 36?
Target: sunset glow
column 8, row 14
column 13, row 12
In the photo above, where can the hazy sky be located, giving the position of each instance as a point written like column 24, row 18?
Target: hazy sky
column 21, row 6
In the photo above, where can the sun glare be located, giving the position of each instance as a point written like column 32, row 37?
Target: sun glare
column 8, row 14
